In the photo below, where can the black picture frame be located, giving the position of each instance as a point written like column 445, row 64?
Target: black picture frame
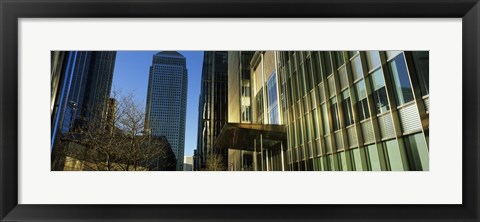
column 12, row 10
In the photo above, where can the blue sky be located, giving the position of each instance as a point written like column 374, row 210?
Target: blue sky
column 131, row 76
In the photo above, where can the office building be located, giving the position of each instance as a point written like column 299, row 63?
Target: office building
column 332, row 111
column 188, row 163
column 356, row 110
column 213, row 109
column 258, row 143
column 239, row 105
column 167, row 100
column 81, row 84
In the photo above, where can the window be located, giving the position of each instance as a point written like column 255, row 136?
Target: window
column 272, row 99
column 331, row 86
column 374, row 158
column 317, row 68
column 308, row 74
column 351, row 54
column 417, row 152
column 342, row 161
column 343, row 77
column 246, row 91
column 347, row 108
column 403, row 88
column 301, row 79
column 246, row 114
column 362, row 103
column 316, row 130
column 308, row 128
column 373, row 59
column 391, row 54
column 259, row 100
column 321, row 90
column 340, row 59
column 334, row 111
column 290, row 94
column 357, row 156
column 421, row 60
column 379, row 92
column 328, row 63
column 325, row 124
column 292, row 136
column 297, row 87
column 299, row 131
column 357, row 70
column 330, row 164
column 394, row 155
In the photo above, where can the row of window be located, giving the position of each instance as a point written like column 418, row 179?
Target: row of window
column 349, row 86
column 408, row 153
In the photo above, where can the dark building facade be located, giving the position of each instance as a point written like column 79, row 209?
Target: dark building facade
column 213, row 106
column 81, row 84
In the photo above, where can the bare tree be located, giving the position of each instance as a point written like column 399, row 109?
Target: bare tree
column 117, row 142
column 215, row 162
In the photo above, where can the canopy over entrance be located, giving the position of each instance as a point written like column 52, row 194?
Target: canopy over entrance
column 245, row 136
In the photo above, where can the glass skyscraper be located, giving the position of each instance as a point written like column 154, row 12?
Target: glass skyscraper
column 213, row 106
column 167, row 100
column 81, row 84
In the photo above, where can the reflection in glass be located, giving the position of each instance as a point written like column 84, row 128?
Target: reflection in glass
column 417, row 152
column 362, row 102
column 343, row 77
column 259, row 102
column 331, row 86
column 379, row 93
column 273, row 99
column 356, row 68
column 421, row 60
column 357, row 159
column 347, row 108
column 394, row 156
column 316, row 130
column 373, row 59
column 340, row 59
column 317, row 68
column 403, row 88
column 352, row 53
column 308, row 74
column 325, row 124
column 328, row 63
column 334, row 111
column 374, row 158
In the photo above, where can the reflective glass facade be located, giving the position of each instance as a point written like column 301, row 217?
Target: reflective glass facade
column 338, row 110
column 81, row 85
column 354, row 110
column 213, row 109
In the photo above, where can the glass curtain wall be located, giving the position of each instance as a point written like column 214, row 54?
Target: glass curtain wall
column 355, row 110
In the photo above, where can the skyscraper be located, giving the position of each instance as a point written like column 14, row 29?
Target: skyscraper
column 81, row 84
column 167, row 100
column 212, row 109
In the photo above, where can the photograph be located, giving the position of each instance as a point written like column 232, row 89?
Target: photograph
column 233, row 111
column 239, row 110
